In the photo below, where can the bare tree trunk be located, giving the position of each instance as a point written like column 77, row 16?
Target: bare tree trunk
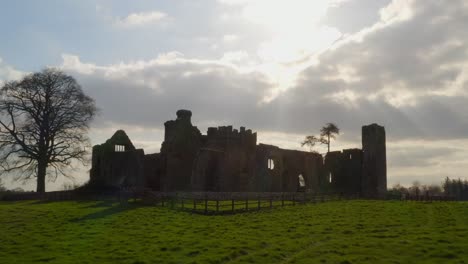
column 41, row 176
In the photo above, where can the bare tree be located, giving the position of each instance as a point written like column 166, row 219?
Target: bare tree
column 327, row 133
column 310, row 141
column 44, row 119
column 415, row 188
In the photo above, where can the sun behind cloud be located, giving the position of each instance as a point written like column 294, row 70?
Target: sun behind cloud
column 295, row 35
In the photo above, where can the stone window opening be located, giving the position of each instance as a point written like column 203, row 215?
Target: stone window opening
column 119, row 148
column 271, row 164
column 330, row 178
column 301, row 181
column 350, row 156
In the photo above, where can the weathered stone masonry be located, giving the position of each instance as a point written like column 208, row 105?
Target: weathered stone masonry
column 229, row 160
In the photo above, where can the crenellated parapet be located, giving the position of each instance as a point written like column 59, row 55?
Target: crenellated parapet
column 226, row 136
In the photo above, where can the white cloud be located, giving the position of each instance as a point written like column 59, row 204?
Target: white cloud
column 233, row 2
column 136, row 92
column 73, row 62
column 230, row 38
column 235, row 56
column 400, row 59
column 346, row 98
column 141, row 19
column 8, row 73
column 398, row 10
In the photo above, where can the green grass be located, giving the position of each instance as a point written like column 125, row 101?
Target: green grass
column 332, row 232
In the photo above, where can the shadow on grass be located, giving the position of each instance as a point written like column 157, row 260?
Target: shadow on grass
column 112, row 209
column 39, row 202
column 100, row 204
column 96, row 204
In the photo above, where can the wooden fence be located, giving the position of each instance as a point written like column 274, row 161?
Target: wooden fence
column 204, row 202
column 235, row 202
column 197, row 202
column 428, row 198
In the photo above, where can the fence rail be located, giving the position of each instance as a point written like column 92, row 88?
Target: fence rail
column 204, row 202
column 224, row 203
column 198, row 202
column 429, row 198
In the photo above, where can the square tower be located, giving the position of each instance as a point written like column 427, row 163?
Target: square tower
column 374, row 166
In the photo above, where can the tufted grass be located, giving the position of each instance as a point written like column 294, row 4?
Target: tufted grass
column 332, row 232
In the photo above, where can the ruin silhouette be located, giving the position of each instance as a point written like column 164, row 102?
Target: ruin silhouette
column 229, row 160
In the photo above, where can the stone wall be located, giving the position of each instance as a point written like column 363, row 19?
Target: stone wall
column 229, row 160
column 343, row 171
column 153, row 169
column 225, row 161
column 288, row 167
column 117, row 163
column 352, row 170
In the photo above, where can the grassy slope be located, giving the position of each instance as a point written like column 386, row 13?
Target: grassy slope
column 334, row 232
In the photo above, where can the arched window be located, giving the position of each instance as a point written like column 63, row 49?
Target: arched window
column 271, row 164
column 301, row 181
column 330, row 178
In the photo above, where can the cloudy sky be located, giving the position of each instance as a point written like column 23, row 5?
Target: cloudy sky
column 281, row 68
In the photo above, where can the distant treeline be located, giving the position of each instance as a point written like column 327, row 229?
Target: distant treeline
column 456, row 188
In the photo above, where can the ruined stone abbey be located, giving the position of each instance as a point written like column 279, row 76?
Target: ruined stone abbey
column 230, row 160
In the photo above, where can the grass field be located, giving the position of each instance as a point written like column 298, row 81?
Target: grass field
column 333, row 232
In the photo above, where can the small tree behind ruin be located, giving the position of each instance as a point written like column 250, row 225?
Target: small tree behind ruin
column 310, row 141
column 327, row 133
column 44, row 119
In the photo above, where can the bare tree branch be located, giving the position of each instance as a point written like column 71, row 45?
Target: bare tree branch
column 44, row 120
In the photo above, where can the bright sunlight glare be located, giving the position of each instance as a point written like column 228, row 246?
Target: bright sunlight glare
column 295, row 32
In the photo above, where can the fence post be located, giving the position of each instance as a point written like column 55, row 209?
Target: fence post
column 294, row 199
column 258, row 197
column 217, row 204
column 282, row 200
column 247, row 204
column 271, row 204
column 232, row 205
column 194, row 204
column 206, row 205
